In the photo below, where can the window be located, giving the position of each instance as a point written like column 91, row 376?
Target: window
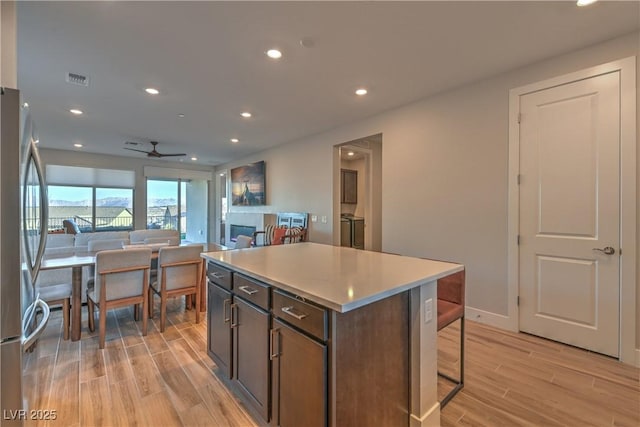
column 92, row 208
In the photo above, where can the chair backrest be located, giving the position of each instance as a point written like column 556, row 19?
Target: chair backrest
column 243, row 242
column 180, row 266
column 97, row 245
column 451, row 288
column 171, row 240
column 122, row 272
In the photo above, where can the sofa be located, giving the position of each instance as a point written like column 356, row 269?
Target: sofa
column 68, row 244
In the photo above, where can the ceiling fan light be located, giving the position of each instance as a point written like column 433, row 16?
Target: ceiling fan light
column 585, row 2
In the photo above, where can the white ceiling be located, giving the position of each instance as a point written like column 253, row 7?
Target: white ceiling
column 207, row 59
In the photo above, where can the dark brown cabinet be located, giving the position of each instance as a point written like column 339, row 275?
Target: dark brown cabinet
column 251, row 354
column 299, row 390
column 219, row 337
column 349, row 192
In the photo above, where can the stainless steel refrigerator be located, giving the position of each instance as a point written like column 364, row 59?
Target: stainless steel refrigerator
column 23, row 230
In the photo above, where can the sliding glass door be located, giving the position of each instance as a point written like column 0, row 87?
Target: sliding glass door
column 178, row 205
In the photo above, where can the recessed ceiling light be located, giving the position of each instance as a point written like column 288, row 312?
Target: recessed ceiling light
column 235, row 140
column 274, row 54
column 181, row 115
column 245, row 114
column 222, row 174
column 25, row 105
column 350, row 153
column 77, row 145
column 360, row 92
column 194, row 158
column 152, row 91
column 585, row 2
column 76, row 111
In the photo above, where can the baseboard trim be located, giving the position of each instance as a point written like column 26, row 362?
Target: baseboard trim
column 491, row 319
column 430, row 419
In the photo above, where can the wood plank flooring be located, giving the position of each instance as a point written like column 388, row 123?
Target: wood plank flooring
column 515, row 379
column 168, row 379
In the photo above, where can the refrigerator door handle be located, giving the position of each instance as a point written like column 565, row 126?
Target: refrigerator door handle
column 33, row 336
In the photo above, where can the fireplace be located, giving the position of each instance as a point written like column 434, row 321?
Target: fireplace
column 235, row 230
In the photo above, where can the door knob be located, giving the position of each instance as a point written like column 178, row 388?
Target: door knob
column 608, row 250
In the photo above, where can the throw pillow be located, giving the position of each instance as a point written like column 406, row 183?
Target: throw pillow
column 278, row 234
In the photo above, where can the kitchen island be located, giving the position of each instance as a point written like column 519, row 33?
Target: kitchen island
column 311, row 334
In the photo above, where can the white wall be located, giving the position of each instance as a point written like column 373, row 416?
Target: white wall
column 444, row 173
column 78, row 158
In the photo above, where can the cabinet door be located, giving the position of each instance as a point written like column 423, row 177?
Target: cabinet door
column 349, row 186
column 251, row 355
column 219, row 321
column 299, row 379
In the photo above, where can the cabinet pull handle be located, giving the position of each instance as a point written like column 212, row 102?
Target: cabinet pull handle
column 234, row 319
column 273, row 352
column 290, row 311
column 217, row 275
column 248, row 290
column 225, row 317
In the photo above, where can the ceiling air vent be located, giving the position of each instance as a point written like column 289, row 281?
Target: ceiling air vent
column 77, row 79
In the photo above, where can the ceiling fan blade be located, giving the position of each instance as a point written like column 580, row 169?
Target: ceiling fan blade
column 139, row 151
column 172, row 155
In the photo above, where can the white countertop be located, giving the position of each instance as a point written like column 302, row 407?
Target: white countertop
column 339, row 278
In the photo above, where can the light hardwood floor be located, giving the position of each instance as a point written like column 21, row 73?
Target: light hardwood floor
column 168, row 379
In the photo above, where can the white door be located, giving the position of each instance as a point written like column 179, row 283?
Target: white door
column 569, row 213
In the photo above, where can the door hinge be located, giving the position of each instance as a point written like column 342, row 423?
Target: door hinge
column 518, row 239
column 519, row 179
column 518, row 300
column 519, row 118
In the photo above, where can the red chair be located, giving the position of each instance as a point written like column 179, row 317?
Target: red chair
column 450, row 309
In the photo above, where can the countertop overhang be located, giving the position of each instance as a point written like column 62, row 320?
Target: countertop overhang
column 338, row 278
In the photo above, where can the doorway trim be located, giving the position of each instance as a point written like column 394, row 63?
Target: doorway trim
column 628, row 243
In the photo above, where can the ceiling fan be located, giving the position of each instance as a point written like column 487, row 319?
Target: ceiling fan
column 153, row 152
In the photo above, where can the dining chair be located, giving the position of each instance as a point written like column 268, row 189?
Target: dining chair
column 243, row 242
column 451, row 290
column 179, row 273
column 121, row 279
column 59, row 294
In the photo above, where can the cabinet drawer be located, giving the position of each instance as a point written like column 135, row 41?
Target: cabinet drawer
column 310, row 318
column 219, row 275
column 251, row 290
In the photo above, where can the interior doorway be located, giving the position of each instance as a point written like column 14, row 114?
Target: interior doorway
column 357, row 198
column 572, row 151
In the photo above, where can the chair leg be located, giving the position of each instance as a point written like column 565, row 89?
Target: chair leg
column 150, row 303
column 163, row 311
column 136, row 312
column 198, row 306
column 459, row 383
column 90, row 310
column 187, row 302
column 145, row 314
column 66, row 311
column 103, row 325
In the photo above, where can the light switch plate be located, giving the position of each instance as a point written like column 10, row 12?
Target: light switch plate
column 428, row 310
column 314, row 218
column 324, row 219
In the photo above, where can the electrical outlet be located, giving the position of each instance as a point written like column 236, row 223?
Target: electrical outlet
column 314, row 218
column 428, row 310
column 324, row 219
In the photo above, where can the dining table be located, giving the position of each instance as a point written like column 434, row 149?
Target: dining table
column 77, row 259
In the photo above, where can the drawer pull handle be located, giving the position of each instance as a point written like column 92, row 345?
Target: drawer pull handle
column 290, row 311
column 225, row 317
column 248, row 290
column 218, row 275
